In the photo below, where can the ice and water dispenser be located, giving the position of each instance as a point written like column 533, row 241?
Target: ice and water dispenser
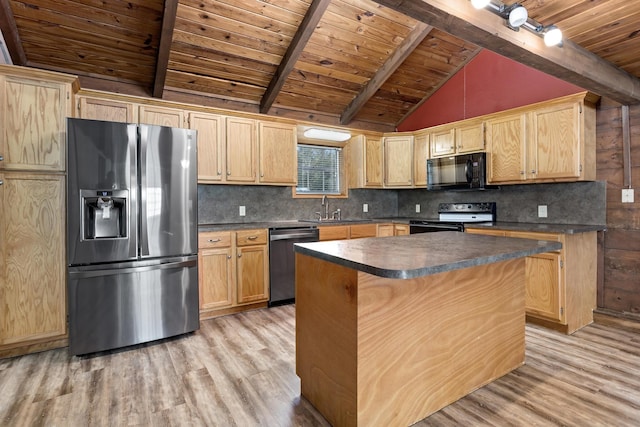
column 104, row 214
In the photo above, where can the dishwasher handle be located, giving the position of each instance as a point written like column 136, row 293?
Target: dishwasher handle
column 295, row 235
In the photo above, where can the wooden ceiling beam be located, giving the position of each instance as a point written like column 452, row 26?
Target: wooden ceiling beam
column 11, row 36
column 570, row 62
column 164, row 48
column 299, row 41
column 415, row 37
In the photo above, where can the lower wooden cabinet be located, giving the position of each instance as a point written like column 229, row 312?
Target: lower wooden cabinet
column 32, row 263
column 561, row 286
column 233, row 271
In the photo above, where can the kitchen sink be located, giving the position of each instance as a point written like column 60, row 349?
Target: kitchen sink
column 334, row 221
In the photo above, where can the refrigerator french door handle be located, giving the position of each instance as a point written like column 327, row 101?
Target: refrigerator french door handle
column 142, row 185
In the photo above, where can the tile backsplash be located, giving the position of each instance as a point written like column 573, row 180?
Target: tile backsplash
column 567, row 203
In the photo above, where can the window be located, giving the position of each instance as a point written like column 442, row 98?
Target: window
column 319, row 170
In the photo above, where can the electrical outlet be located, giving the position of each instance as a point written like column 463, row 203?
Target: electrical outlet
column 418, row 208
column 627, row 195
column 365, row 207
column 242, row 211
column 542, row 211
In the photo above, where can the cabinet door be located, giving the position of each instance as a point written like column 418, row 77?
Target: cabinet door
column 470, row 137
column 106, row 109
column 32, row 241
column 373, row 161
column 401, row 230
column 420, row 156
column 215, row 268
column 210, row 129
column 506, row 139
column 385, row 230
column 555, row 142
column 241, row 144
column 544, row 291
column 161, row 116
column 443, row 141
column 253, row 274
column 398, row 161
column 32, row 123
column 277, row 147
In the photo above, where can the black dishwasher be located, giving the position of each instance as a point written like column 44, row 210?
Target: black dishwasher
column 282, row 267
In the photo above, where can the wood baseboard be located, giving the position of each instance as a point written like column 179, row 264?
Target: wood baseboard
column 627, row 321
column 212, row 314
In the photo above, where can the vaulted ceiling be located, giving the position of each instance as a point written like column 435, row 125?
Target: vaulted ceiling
column 360, row 63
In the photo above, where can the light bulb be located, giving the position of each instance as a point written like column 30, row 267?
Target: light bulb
column 518, row 16
column 480, row 4
column 553, row 36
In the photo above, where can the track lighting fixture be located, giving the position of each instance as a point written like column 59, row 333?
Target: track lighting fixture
column 516, row 16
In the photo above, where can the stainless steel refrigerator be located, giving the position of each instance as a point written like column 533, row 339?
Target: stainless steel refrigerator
column 131, row 234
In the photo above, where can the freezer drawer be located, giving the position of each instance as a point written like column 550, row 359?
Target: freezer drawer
column 112, row 308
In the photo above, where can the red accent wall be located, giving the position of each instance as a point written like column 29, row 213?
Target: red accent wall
column 487, row 84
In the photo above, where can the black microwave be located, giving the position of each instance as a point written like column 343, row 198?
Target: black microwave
column 463, row 171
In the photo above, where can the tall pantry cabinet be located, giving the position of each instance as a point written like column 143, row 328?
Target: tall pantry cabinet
column 34, row 106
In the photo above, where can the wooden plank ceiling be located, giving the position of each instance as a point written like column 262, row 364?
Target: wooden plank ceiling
column 360, row 63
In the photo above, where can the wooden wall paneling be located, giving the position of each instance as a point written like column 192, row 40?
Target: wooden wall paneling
column 619, row 290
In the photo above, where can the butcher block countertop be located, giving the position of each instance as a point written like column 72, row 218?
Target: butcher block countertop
column 405, row 257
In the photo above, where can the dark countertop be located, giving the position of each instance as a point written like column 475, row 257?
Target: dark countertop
column 406, row 257
column 294, row 223
column 542, row 228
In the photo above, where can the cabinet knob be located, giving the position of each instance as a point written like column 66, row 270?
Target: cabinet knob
column 228, row 173
column 219, row 173
column 239, row 255
column 533, row 171
column 1, row 157
column 228, row 256
column 1, row 182
column 521, row 172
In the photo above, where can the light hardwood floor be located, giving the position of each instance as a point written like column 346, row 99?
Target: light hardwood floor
column 239, row 370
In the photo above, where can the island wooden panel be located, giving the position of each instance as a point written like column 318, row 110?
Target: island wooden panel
column 380, row 352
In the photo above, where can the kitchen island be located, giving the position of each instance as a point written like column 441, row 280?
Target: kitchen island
column 392, row 329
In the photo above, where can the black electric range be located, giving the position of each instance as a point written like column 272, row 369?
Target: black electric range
column 453, row 217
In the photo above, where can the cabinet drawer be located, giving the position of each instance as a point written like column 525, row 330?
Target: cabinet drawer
column 336, row 232
column 363, row 230
column 251, row 237
column 214, row 239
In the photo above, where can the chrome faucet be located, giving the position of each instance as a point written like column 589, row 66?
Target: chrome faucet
column 325, row 203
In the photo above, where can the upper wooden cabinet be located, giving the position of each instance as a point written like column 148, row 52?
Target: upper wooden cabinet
column 547, row 142
column 162, row 116
column 465, row 136
column 398, row 160
column 443, row 140
column 420, row 157
column 34, row 106
column 95, row 108
column 365, row 161
column 277, row 150
column 469, row 136
column 241, row 143
column 506, row 135
column 211, row 146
